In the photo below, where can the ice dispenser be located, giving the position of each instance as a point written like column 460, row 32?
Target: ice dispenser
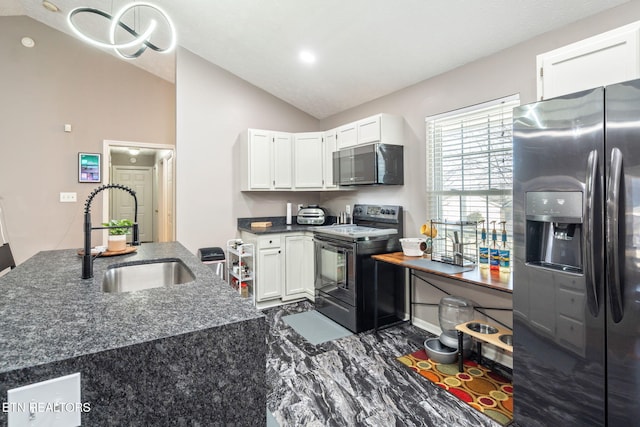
column 554, row 230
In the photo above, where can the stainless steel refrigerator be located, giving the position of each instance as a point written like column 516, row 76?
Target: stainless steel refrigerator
column 576, row 296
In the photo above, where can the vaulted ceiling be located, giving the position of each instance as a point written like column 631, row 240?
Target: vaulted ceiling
column 364, row 49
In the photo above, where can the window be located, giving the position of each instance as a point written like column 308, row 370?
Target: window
column 470, row 164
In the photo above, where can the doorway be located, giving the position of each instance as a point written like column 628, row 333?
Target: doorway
column 149, row 170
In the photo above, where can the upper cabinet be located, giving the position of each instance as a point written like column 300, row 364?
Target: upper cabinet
column 330, row 145
column 607, row 58
column 347, row 135
column 382, row 128
column 281, row 161
column 267, row 160
column 308, row 159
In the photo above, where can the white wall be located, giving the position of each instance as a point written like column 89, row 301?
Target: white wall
column 213, row 108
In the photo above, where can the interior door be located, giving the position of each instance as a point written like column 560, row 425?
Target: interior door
column 140, row 179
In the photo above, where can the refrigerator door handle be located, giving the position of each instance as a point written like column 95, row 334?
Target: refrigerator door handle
column 588, row 249
column 613, row 257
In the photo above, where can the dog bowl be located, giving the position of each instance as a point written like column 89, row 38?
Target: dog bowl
column 440, row 353
column 450, row 339
column 482, row 328
column 507, row 339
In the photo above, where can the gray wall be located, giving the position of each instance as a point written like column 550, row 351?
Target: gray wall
column 63, row 80
column 511, row 71
column 214, row 107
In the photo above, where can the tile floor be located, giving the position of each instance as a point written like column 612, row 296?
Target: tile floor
column 355, row 380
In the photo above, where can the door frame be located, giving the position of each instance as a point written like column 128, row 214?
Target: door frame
column 107, row 144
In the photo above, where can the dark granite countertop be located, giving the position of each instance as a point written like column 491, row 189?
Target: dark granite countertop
column 279, row 225
column 48, row 313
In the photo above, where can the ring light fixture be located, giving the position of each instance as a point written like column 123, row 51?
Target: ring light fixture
column 141, row 39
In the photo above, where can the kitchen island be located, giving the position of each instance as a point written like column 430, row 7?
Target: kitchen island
column 188, row 354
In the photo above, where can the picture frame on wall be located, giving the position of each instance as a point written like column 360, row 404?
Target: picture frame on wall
column 89, row 167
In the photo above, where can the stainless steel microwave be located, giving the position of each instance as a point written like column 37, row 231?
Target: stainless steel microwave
column 369, row 164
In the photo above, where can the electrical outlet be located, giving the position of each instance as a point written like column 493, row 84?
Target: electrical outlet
column 348, row 209
column 68, row 197
column 54, row 402
column 300, row 206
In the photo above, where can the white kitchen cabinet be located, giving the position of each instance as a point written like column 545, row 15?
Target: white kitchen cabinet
column 284, row 266
column 308, row 160
column 601, row 60
column 266, row 158
column 299, row 267
column 347, row 135
column 269, row 263
column 330, row 145
column 381, row 128
column 282, row 160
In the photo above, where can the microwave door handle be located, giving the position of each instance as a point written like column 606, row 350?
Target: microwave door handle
column 613, row 229
column 588, row 249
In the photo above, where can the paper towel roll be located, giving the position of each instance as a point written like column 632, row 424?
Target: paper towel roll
column 288, row 213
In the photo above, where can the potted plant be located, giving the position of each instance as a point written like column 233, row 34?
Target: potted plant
column 118, row 235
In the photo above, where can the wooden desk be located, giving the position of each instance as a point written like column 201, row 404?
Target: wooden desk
column 491, row 279
column 488, row 278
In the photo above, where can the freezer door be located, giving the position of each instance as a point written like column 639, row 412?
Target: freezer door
column 558, row 312
column 623, row 252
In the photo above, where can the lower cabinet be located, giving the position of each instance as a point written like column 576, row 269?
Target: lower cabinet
column 269, row 278
column 299, row 271
column 284, row 266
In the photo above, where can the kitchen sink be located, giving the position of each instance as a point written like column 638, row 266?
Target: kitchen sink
column 139, row 275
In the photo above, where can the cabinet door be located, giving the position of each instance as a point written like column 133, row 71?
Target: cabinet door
column 347, row 135
column 299, row 273
column 260, row 143
column 282, row 160
column 308, row 158
column 269, row 274
column 329, row 147
column 607, row 58
column 369, row 130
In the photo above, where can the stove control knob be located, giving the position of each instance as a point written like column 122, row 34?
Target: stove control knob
column 383, row 211
column 392, row 212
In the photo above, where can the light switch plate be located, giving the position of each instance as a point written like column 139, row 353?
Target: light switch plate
column 55, row 402
column 68, row 197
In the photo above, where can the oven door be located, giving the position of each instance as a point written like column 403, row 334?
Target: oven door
column 335, row 270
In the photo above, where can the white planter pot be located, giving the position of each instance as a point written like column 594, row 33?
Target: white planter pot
column 117, row 243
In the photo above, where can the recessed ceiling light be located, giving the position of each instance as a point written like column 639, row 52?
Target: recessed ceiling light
column 27, row 42
column 307, row 57
column 50, row 6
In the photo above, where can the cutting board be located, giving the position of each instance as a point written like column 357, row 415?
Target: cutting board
column 263, row 224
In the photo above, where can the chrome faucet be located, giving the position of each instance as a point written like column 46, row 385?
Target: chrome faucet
column 87, row 259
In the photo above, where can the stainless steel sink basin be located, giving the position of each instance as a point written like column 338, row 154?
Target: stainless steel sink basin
column 135, row 276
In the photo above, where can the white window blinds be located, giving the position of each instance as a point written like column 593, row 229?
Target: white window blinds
column 470, row 163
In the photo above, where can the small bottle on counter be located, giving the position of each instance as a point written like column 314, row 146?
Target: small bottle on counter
column 494, row 251
column 505, row 260
column 483, row 249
